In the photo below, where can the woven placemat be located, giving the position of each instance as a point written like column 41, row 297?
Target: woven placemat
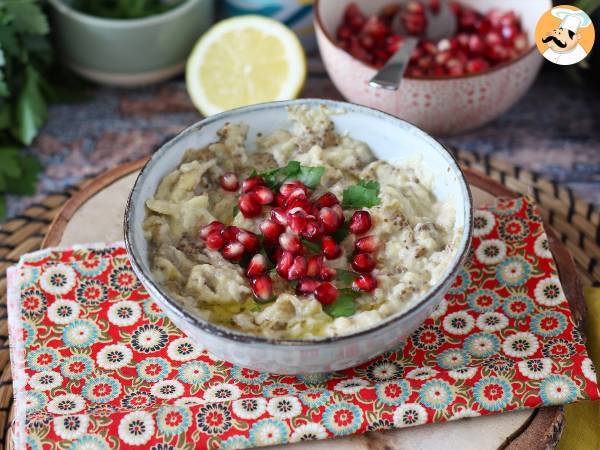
column 576, row 221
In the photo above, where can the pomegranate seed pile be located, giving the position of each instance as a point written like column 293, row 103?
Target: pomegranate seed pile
column 299, row 235
column 481, row 41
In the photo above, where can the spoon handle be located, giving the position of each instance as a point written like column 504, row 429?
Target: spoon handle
column 391, row 74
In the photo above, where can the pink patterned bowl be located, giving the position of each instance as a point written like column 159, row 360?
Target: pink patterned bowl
column 441, row 106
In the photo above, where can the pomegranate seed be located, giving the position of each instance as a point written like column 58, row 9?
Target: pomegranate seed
column 477, row 65
column 284, row 262
column 210, row 228
column 249, row 205
column 252, row 183
column 296, row 219
column 415, row 7
column 367, row 244
column 327, row 273
column 287, row 188
column 329, row 219
column 363, row 263
column 493, row 38
column 233, row 251
column 271, row 230
column 279, row 216
column 298, row 268
column 296, row 195
column 248, row 240
column 339, row 212
column 264, row 195
column 360, row 222
column 313, row 230
column 215, row 241
column 302, row 203
column 365, row 283
column 476, row 44
column 331, row 249
column 229, row 181
column 280, row 200
column 510, row 32
column 307, row 286
column 257, row 266
column 290, row 242
column 230, row 233
column 262, row 287
column 314, row 265
column 327, row 199
column 326, row 293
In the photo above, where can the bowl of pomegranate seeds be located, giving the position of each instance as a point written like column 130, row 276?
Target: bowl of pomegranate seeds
column 450, row 86
column 289, row 237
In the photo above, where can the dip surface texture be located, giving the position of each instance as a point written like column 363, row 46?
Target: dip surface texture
column 415, row 230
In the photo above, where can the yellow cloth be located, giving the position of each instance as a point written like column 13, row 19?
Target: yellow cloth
column 582, row 430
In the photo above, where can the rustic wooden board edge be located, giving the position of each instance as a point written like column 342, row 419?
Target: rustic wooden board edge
column 545, row 426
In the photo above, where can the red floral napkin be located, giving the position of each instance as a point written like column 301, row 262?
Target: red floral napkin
column 96, row 363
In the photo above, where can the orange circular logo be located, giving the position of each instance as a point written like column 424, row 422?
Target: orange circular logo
column 564, row 35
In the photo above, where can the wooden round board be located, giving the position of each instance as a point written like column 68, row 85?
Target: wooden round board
column 95, row 214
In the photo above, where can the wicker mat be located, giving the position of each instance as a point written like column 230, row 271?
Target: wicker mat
column 577, row 223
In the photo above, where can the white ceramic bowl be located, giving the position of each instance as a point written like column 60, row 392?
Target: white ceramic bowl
column 441, row 106
column 389, row 138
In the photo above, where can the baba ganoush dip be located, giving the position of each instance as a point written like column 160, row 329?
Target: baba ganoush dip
column 306, row 236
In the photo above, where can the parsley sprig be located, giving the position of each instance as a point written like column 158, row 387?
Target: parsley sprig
column 365, row 194
column 310, row 176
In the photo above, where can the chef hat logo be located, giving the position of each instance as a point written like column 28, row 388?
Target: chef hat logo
column 565, row 35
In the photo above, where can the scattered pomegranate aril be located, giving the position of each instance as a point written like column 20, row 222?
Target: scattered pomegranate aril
column 296, row 220
column 367, row 244
column 252, row 183
column 271, row 230
column 262, row 287
column 329, row 219
column 365, row 282
column 298, row 268
column 477, row 65
column 287, row 188
column 360, row 222
column 363, row 262
column 215, row 225
column 307, row 286
column 331, row 249
column 279, row 216
column 249, row 205
column 215, row 241
column 280, row 200
column 284, row 262
column 257, row 266
column 314, row 265
column 230, row 233
column 233, row 251
column 339, row 212
column 248, row 240
column 327, row 273
column 313, row 230
column 264, row 195
column 326, row 293
column 229, row 182
column 290, row 243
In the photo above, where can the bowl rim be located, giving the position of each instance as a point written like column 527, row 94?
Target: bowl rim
column 319, row 26
column 241, row 337
column 66, row 9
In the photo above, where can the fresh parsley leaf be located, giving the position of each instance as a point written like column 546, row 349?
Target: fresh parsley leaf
column 25, row 184
column 312, row 246
column 9, row 162
column 310, row 176
column 346, row 277
column 345, row 305
column 31, row 109
column 27, row 17
column 365, row 194
column 341, row 233
column 2, row 205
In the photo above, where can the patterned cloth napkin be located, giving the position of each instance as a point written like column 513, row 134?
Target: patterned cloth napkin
column 97, row 365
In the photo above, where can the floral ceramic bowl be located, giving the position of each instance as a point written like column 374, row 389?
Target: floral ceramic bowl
column 441, row 106
column 395, row 141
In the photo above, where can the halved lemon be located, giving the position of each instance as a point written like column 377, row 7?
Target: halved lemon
column 242, row 61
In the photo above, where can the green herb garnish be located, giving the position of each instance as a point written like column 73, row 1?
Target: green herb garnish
column 345, row 305
column 124, row 9
column 365, row 194
column 346, row 277
column 310, row 176
column 312, row 246
column 341, row 233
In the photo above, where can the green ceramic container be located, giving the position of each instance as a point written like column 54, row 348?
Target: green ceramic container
column 129, row 52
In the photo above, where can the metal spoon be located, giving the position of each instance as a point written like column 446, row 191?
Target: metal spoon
column 439, row 26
